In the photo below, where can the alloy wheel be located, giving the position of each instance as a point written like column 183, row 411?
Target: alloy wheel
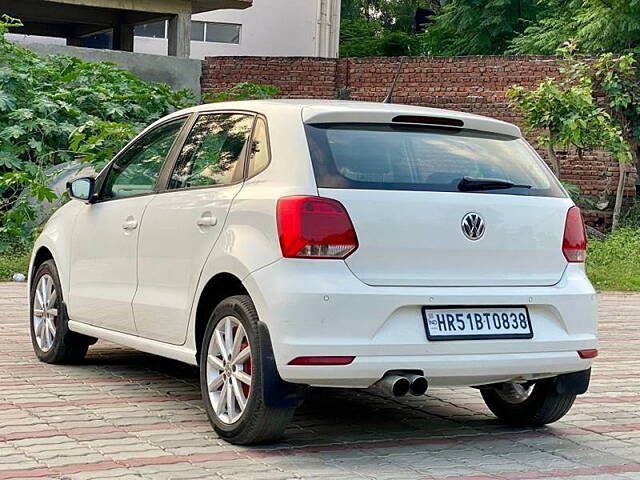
column 229, row 372
column 45, row 312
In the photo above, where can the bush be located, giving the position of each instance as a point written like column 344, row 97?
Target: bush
column 57, row 108
column 614, row 263
column 242, row 91
column 15, row 262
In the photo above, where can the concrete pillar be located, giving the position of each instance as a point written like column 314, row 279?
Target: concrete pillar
column 180, row 35
column 123, row 38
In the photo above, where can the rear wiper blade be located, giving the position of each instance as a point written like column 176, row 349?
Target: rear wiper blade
column 470, row 184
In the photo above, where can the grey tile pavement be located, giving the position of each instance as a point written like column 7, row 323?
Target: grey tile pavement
column 125, row 414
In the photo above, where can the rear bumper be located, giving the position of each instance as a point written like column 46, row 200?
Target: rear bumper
column 319, row 308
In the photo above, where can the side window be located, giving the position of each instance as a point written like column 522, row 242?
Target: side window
column 214, row 152
column 135, row 172
column 259, row 157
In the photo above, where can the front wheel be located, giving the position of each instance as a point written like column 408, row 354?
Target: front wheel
column 528, row 404
column 232, row 376
column 52, row 340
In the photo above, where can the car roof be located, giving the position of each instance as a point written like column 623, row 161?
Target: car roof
column 333, row 111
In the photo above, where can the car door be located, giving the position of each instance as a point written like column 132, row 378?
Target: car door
column 103, row 277
column 182, row 224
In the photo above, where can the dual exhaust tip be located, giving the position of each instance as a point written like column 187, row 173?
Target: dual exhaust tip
column 400, row 384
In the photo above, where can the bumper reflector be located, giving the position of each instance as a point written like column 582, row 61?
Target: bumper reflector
column 321, row 361
column 588, row 353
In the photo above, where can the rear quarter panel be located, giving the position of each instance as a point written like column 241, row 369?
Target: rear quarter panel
column 249, row 240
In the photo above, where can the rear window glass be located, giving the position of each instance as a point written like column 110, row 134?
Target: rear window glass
column 391, row 157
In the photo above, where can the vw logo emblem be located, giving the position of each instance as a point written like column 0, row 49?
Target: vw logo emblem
column 473, row 226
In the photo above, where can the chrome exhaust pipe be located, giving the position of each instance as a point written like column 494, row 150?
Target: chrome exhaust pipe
column 418, row 384
column 392, row 384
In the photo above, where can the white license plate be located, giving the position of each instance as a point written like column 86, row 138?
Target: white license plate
column 476, row 323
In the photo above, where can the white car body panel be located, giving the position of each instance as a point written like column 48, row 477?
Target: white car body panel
column 368, row 306
column 177, row 234
column 424, row 247
column 103, row 266
column 56, row 238
column 321, row 308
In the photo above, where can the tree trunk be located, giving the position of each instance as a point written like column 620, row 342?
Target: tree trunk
column 622, row 180
column 555, row 165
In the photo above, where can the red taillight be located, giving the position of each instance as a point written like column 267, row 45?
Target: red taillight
column 315, row 227
column 574, row 242
column 588, row 353
column 321, row 361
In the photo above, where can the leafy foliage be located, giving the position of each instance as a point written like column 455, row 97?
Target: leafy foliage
column 568, row 113
column 598, row 26
column 243, row 91
column 495, row 27
column 381, row 28
column 478, row 27
column 619, row 80
column 57, row 108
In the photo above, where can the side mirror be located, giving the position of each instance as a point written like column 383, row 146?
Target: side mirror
column 82, row 189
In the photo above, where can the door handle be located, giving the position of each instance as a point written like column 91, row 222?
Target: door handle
column 130, row 224
column 207, row 220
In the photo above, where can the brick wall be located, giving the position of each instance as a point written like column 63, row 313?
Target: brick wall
column 296, row 77
column 470, row 84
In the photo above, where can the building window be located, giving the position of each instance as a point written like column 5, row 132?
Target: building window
column 151, row 30
column 223, row 32
column 214, row 32
column 197, row 31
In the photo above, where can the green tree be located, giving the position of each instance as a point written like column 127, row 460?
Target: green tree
column 380, row 28
column 478, row 27
column 597, row 26
column 567, row 113
column 619, row 79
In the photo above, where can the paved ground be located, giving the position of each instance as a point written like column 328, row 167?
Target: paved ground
column 127, row 414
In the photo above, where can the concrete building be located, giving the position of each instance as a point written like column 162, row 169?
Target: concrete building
column 216, row 27
column 111, row 23
column 307, row 28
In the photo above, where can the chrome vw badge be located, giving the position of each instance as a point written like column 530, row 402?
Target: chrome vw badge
column 473, row 226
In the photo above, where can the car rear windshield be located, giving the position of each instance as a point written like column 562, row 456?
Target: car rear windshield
column 393, row 157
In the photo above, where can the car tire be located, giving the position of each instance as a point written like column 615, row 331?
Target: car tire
column 241, row 417
column 542, row 405
column 51, row 338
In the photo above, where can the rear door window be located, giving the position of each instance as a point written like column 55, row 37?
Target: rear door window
column 214, row 153
column 391, row 157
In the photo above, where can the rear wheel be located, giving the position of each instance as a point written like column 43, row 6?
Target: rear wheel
column 232, row 376
column 51, row 338
column 528, row 404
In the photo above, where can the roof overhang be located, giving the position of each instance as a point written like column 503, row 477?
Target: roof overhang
column 199, row 6
column 78, row 18
column 161, row 6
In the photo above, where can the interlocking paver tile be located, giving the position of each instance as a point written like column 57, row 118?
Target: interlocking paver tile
column 125, row 414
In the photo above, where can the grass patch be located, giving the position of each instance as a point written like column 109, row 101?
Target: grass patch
column 614, row 263
column 13, row 263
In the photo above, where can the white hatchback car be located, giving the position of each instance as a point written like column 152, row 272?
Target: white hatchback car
column 286, row 244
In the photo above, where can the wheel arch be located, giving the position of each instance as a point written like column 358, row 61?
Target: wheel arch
column 41, row 253
column 40, row 256
column 222, row 285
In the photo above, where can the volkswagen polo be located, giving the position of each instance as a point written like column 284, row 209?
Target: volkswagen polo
column 284, row 244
